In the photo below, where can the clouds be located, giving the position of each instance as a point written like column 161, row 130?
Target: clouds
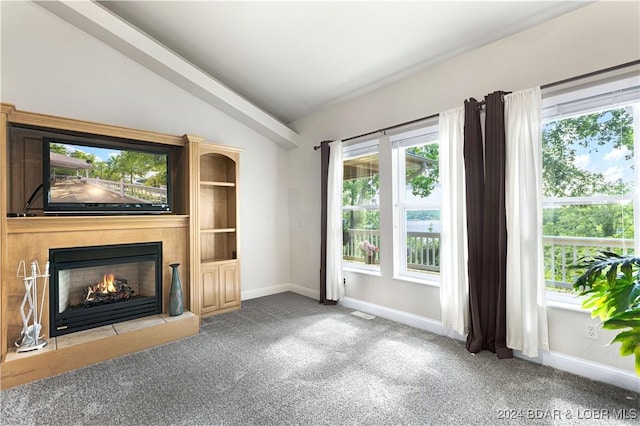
column 618, row 154
column 615, row 162
column 612, row 174
column 581, row 161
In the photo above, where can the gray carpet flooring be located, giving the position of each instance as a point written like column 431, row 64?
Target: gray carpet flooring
column 286, row 360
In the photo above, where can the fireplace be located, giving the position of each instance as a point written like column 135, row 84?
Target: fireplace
column 101, row 285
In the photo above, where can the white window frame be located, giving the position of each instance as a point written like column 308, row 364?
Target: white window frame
column 428, row 134
column 349, row 152
column 579, row 101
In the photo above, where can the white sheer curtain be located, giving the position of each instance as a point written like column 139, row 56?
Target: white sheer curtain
column 334, row 223
column 454, row 283
column 526, row 308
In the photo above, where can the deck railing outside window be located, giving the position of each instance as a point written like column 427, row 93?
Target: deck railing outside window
column 560, row 253
column 423, row 248
column 352, row 240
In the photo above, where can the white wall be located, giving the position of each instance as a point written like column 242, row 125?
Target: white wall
column 50, row 67
column 594, row 37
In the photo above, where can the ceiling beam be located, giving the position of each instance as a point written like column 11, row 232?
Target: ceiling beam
column 95, row 20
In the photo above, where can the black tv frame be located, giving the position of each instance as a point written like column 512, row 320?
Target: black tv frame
column 124, row 208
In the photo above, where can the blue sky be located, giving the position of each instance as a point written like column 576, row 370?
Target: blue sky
column 608, row 161
column 101, row 154
column 605, row 159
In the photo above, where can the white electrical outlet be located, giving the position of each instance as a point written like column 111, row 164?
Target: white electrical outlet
column 591, row 331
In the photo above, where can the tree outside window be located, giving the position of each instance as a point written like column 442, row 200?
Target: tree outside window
column 360, row 207
column 417, row 201
column 588, row 184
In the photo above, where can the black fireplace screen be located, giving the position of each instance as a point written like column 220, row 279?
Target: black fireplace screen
column 101, row 285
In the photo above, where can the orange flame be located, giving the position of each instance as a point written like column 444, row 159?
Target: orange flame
column 106, row 286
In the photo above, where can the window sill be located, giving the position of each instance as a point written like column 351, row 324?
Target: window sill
column 353, row 269
column 567, row 302
column 567, row 306
column 430, row 283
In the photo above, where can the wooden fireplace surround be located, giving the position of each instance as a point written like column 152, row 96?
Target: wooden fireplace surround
column 29, row 238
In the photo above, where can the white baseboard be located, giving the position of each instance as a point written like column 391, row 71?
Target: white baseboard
column 578, row 366
column 264, row 291
column 416, row 321
column 281, row 288
column 305, row 291
column 591, row 370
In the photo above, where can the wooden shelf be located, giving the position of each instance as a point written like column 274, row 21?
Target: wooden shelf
column 218, row 231
column 216, row 261
column 213, row 262
column 211, row 183
column 218, row 207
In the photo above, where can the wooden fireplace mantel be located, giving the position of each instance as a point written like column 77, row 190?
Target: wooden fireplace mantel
column 29, row 238
column 45, row 224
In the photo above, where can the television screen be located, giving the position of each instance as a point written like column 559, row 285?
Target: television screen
column 85, row 178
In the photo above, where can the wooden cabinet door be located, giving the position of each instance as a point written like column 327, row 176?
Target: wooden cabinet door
column 210, row 285
column 229, row 285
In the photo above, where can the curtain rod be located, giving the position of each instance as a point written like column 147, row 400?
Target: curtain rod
column 590, row 74
column 384, row 129
column 544, row 86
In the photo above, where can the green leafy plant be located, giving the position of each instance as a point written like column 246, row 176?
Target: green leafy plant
column 611, row 285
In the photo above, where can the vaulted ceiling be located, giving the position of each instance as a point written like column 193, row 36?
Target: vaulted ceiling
column 294, row 58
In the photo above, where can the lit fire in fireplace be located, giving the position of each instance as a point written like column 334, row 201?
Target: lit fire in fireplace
column 108, row 290
column 106, row 286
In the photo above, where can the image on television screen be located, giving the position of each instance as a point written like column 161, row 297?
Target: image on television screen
column 81, row 174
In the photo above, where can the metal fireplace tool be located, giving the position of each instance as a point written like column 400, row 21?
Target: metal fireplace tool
column 31, row 339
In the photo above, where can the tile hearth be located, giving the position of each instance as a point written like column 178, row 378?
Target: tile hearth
column 86, row 336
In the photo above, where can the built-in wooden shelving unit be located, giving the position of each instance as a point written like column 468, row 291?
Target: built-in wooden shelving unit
column 201, row 234
column 214, row 186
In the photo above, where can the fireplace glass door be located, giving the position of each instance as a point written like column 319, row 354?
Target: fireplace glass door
column 101, row 285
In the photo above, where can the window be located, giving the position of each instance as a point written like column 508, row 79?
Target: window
column 417, row 203
column 361, row 207
column 590, row 174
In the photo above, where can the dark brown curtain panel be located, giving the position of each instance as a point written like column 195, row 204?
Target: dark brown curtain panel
column 324, row 179
column 487, row 226
column 474, row 179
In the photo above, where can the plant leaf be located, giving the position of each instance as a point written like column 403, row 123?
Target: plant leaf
column 612, row 292
column 629, row 340
column 627, row 269
column 612, row 274
column 618, row 321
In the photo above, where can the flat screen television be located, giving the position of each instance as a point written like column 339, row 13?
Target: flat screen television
column 110, row 177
